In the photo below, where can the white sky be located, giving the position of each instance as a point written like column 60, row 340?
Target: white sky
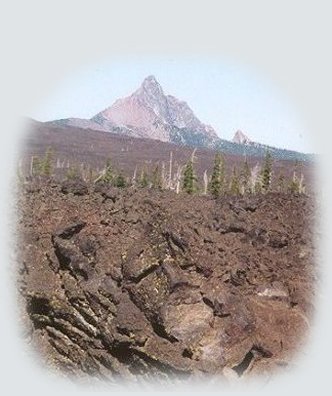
column 222, row 94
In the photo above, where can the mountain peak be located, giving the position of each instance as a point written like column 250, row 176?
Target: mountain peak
column 148, row 112
column 241, row 138
column 150, row 85
column 150, row 79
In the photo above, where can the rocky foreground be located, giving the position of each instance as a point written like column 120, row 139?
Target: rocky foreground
column 140, row 283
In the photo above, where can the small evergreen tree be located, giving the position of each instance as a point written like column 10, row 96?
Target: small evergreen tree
column 266, row 175
column 108, row 174
column 156, row 178
column 218, row 176
column 258, row 185
column 144, row 179
column 35, row 166
column 120, row 181
column 235, row 183
column 281, row 183
column 46, row 167
column 189, row 178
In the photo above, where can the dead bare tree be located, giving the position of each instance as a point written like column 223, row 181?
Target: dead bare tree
column 170, row 170
column 163, row 176
column 177, row 178
column 193, row 154
column 134, row 178
column 254, row 179
column 32, row 161
column 301, row 185
column 206, row 182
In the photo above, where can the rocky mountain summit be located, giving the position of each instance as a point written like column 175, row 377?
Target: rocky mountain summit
column 149, row 113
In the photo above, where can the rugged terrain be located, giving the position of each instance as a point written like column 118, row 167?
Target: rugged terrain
column 142, row 283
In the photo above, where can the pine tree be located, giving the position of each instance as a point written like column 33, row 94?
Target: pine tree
column 281, row 183
column 35, row 166
column 235, row 183
column 144, row 180
column 258, row 185
column 189, row 178
column 43, row 167
column 218, row 176
column 120, row 181
column 266, row 174
column 108, row 175
column 156, row 178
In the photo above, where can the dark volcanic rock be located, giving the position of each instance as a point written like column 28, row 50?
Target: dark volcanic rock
column 74, row 186
column 193, row 286
column 70, row 230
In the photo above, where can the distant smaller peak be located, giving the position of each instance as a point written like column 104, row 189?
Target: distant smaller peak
column 241, row 138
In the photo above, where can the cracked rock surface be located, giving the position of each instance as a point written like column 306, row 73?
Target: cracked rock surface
column 156, row 284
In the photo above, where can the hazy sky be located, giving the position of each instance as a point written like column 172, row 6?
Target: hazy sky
column 225, row 95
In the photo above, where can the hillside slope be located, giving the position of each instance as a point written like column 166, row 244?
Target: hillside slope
column 74, row 146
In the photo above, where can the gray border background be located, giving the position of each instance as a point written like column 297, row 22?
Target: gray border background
column 43, row 42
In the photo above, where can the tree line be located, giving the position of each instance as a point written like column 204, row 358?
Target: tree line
column 241, row 180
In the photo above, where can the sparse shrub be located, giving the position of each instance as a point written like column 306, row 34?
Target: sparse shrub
column 72, row 173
